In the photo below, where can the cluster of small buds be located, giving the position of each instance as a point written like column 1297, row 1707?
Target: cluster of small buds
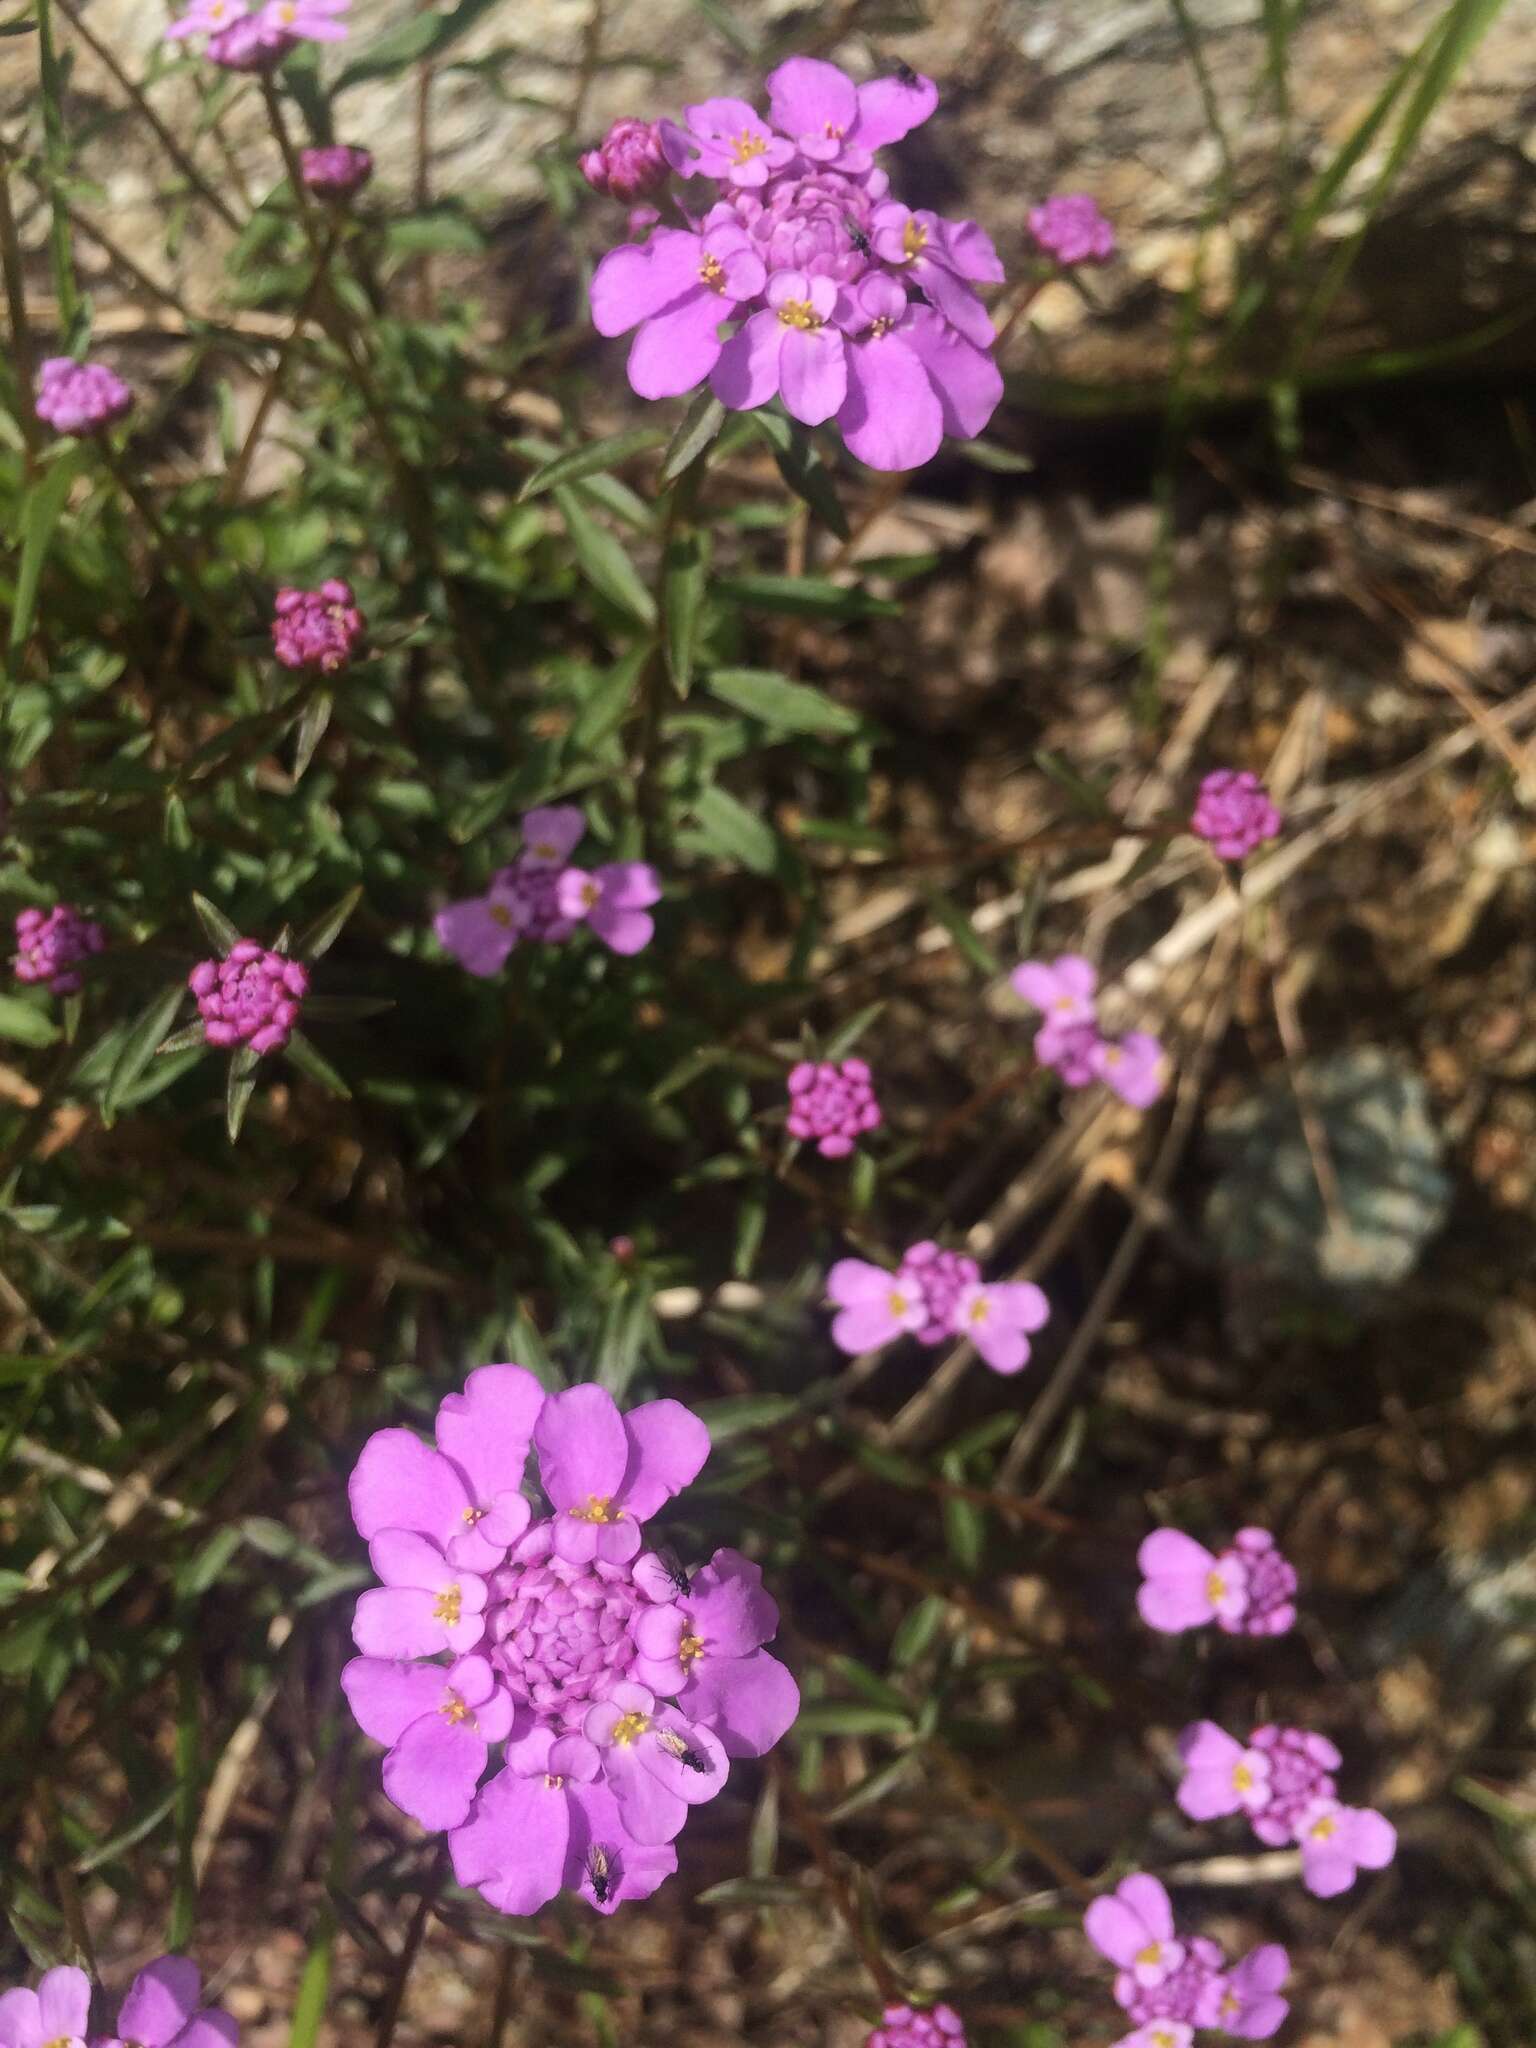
column 80, row 398
column 1171, row 1987
column 619, row 1685
column 1247, row 1589
column 161, row 2010
column 1069, row 1041
column 1234, row 813
column 1282, row 1778
column 52, row 944
column 1071, row 230
column 541, row 897
column 903, row 2026
column 242, row 38
column 251, row 998
column 832, row 1104
column 935, row 1294
column 319, row 630
column 629, row 163
column 804, row 279
column 337, row 170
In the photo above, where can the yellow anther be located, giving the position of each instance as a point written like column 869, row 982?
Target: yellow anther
column 448, row 1605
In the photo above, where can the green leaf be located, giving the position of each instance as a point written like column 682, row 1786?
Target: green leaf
column 26, row 1023
column 752, row 1891
column 182, row 1040
column 239, row 1086
column 443, row 232
column 318, row 938
column 739, row 1414
column 729, row 829
column 803, row 469
column 603, row 561
column 919, row 1630
column 965, row 1527
column 603, row 712
column 700, row 427
column 317, row 716
column 40, row 511
column 685, row 578
column 965, row 935
column 580, row 462
column 140, row 1045
column 847, row 1717
column 316, row 1066
column 222, row 935
column 791, row 707
column 1088, row 796
column 847, row 1035
column 991, row 455
column 807, row 597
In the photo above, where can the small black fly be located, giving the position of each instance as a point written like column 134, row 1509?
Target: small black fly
column 600, row 1873
column 857, row 236
column 675, row 1569
column 690, row 1759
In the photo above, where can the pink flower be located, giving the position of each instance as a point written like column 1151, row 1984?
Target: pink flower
column 1070, row 227
column 792, row 349
column 1250, row 2007
column 1063, row 989
column 1220, row 1775
column 320, row 630
column 1133, row 1926
column 523, row 901
column 910, row 379
column 1301, row 1767
column 1185, row 1586
column 942, row 1276
column 1234, row 813
column 162, row 2010
column 1271, row 1605
column 725, row 139
column 999, row 1318
column 904, row 2026
column 606, row 1473
column 481, row 931
column 704, row 1648
column 676, row 288
column 337, row 170
column 874, row 1306
column 425, row 1606
column 613, row 900
column 619, row 1686
column 1134, row 1067
column 944, row 258
column 1339, row 1841
column 251, row 998
column 52, row 945
column 437, row 1725
column 312, row 21
column 832, row 1104
column 834, row 122
column 1160, row 2033
column 59, row 2010
column 628, row 163
column 80, row 398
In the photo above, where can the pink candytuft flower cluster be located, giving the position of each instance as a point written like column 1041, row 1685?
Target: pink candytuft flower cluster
column 161, row 2010
column 832, row 1104
column 1069, row 227
column 1248, row 1589
column 848, row 305
column 1171, row 1987
column 242, row 38
column 80, row 398
column 336, row 170
column 935, row 1294
column 319, row 630
column 902, row 2026
column 1234, row 813
column 250, row 998
column 618, row 1687
column 1069, row 1041
column 542, row 897
column 52, row 944
column 629, row 163
column 1282, row 1778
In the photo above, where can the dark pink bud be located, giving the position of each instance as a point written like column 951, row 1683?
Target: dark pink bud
column 628, row 164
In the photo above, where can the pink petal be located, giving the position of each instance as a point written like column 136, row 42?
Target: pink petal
column 392, row 1622
column 628, row 884
column 649, row 1811
column 1368, row 1836
column 623, row 931
column 163, row 1997
column 64, row 2003
column 488, row 1428
column 398, row 1483
column 730, row 1610
column 748, row 1702
column 667, row 1448
column 1146, row 1897
column 967, row 380
column 1115, row 1930
column 891, row 417
column 1005, row 1349
column 866, row 1325
column 812, row 373
column 747, row 374
column 550, row 835
column 21, row 2024
column 514, row 1848
column 209, row 2028
column 677, row 348
column 476, row 937
column 852, row 1282
column 582, row 1447
column 386, row 1697
column 402, row 1558
column 807, row 96
column 890, row 108
column 432, row 1771
column 634, row 1869
column 634, row 282
column 1325, row 1869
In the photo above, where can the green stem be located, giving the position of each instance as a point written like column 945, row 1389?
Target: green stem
column 681, row 501
column 16, row 309
column 55, row 155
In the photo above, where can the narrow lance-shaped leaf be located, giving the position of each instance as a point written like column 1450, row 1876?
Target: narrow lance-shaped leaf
column 685, row 579
column 316, row 1066
column 700, row 427
column 602, row 560
column 140, row 1045
column 793, row 707
column 239, row 1086
column 222, row 935
column 318, row 938
column 580, row 462
column 40, row 515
